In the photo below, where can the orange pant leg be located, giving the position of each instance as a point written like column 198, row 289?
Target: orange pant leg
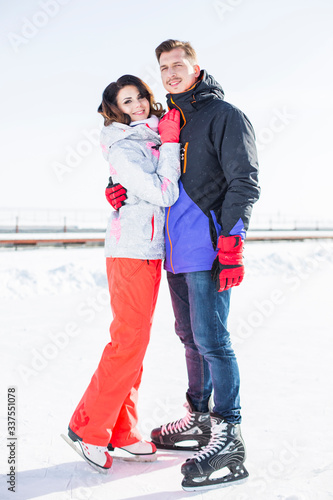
column 133, row 286
column 124, row 431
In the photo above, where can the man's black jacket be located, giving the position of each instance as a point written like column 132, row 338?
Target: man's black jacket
column 219, row 180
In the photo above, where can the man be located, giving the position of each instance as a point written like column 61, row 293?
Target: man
column 204, row 232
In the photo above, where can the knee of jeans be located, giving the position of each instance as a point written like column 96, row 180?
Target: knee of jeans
column 185, row 336
column 208, row 346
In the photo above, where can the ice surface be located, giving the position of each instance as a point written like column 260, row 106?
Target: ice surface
column 55, row 316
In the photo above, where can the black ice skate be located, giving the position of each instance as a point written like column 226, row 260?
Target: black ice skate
column 226, row 449
column 191, row 432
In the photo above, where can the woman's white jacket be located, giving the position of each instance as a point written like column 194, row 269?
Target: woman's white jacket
column 150, row 172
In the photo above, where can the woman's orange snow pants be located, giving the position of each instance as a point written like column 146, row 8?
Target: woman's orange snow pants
column 107, row 412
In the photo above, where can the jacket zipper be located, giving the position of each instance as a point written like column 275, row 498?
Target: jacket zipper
column 181, row 112
column 183, row 156
column 167, row 218
column 169, row 238
column 152, row 228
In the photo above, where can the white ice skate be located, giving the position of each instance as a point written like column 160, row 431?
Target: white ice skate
column 97, row 457
column 141, row 451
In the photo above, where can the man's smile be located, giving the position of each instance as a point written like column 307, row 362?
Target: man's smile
column 174, row 82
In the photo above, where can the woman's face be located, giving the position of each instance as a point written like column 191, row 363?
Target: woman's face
column 130, row 101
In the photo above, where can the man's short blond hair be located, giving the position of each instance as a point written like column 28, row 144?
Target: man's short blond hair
column 170, row 44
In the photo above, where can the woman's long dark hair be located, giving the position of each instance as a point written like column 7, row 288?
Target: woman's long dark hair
column 109, row 109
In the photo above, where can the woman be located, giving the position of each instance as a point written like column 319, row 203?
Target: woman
column 148, row 165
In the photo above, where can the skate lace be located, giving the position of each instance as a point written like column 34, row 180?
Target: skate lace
column 180, row 425
column 218, row 438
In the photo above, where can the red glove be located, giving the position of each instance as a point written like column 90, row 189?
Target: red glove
column 169, row 126
column 115, row 194
column 228, row 268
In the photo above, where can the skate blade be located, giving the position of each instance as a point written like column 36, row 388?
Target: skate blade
column 121, row 454
column 239, row 475
column 179, row 447
column 79, row 452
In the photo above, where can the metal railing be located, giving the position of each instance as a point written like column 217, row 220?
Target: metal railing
column 87, row 227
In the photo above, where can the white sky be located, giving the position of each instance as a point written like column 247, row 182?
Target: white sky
column 273, row 59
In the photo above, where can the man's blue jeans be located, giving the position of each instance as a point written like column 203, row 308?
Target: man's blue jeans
column 201, row 323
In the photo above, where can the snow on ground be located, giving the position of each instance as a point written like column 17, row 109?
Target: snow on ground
column 55, row 316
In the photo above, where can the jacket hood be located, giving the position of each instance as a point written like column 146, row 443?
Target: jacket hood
column 205, row 89
column 208, row 85
column 119, row 131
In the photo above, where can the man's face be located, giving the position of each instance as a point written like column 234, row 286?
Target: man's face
column 177, row 73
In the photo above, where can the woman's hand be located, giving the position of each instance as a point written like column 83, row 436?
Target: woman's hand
column 169, row 126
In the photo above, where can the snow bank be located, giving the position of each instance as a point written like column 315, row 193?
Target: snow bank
column 27, row 273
